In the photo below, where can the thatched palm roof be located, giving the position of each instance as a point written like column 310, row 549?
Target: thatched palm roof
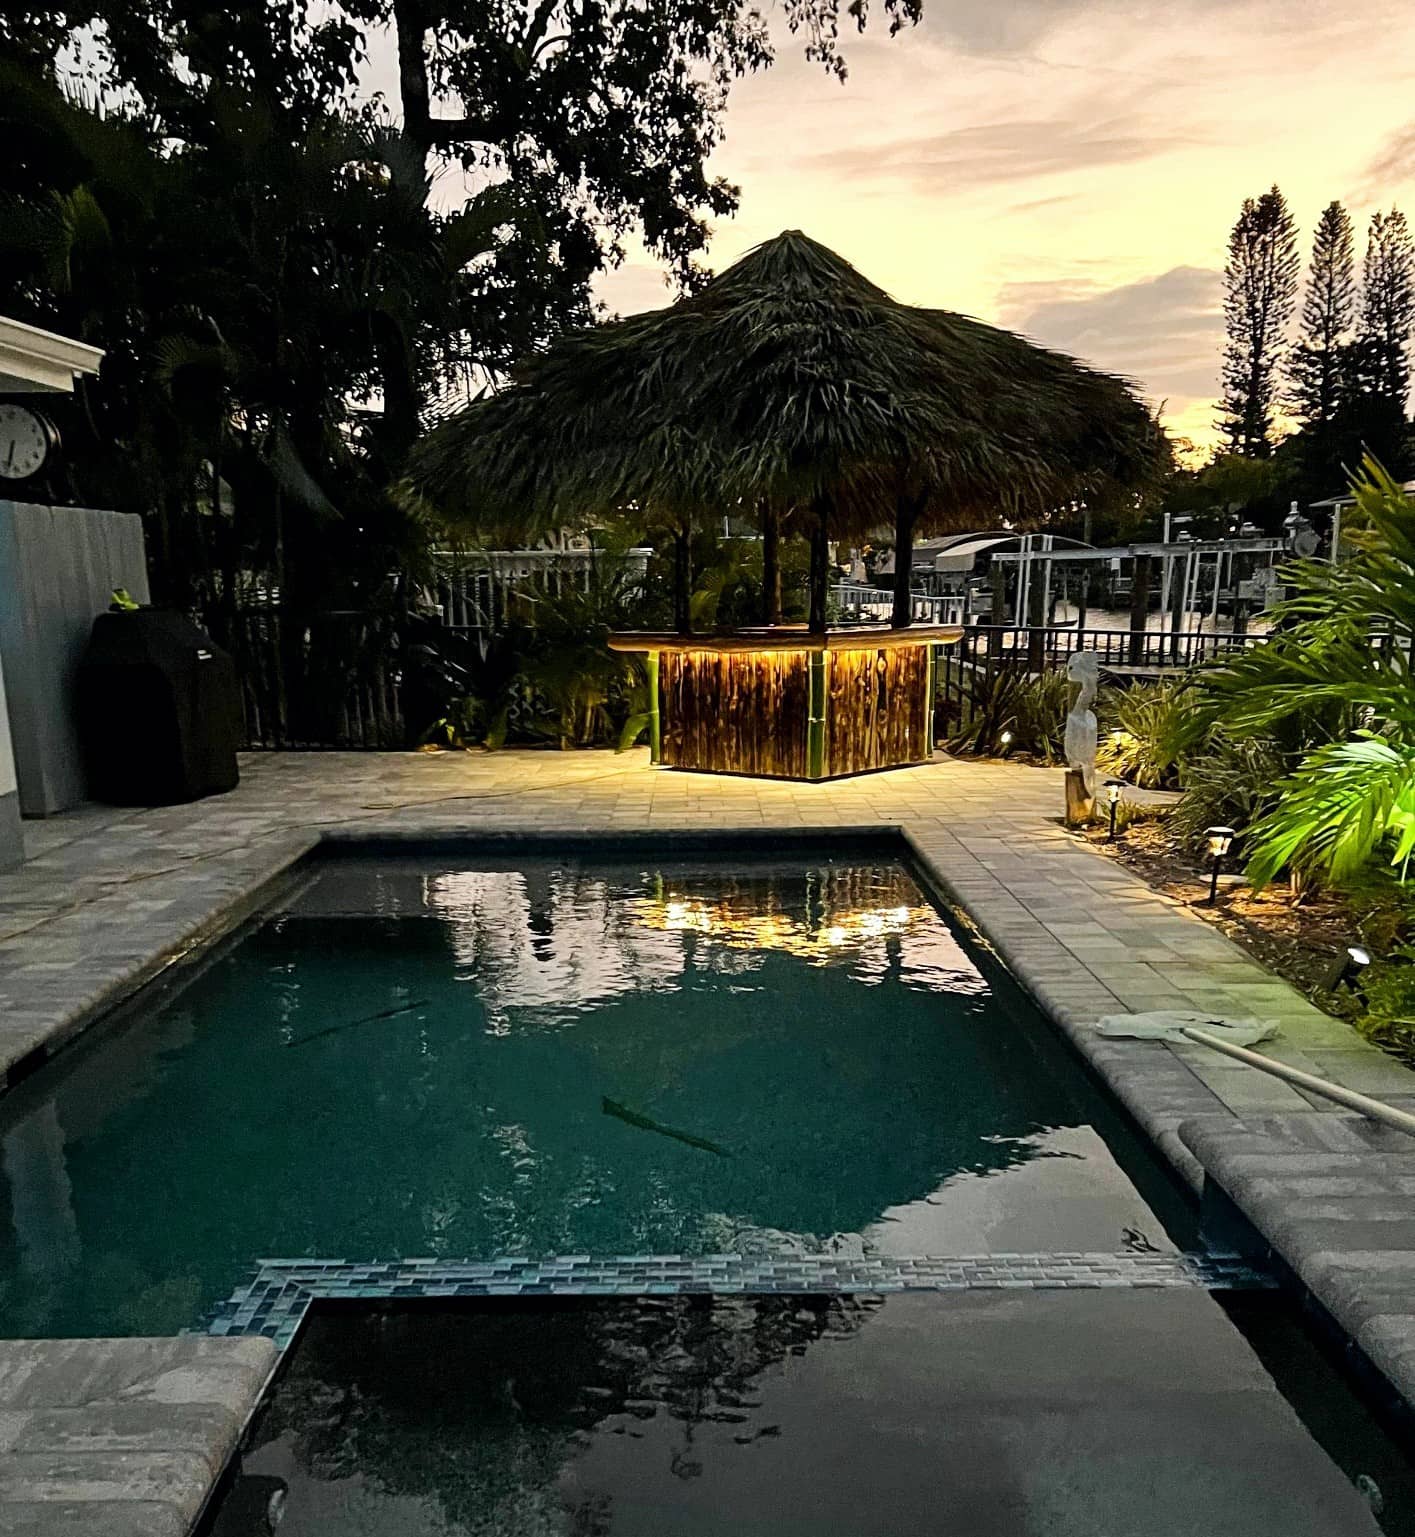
column 788, row 379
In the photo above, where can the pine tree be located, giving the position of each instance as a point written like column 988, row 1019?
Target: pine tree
column 1317, row 366
column 1260, row 287
column 1388, row 306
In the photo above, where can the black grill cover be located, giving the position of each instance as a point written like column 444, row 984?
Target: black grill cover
column 159, row 711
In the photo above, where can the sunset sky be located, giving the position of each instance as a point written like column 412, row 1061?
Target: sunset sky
column 1071, row 168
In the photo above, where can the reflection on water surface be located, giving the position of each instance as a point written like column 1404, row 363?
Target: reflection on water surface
column 554, row 1057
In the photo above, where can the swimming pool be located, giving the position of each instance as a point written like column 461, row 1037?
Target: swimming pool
column 985, row 1414
column 422, row 1056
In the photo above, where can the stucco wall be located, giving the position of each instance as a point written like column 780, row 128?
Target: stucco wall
column 11, row 846
column 58, row 568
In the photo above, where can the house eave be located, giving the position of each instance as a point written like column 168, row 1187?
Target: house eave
column 34, row 361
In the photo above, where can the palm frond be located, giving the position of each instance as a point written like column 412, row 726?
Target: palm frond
column 1343, row 804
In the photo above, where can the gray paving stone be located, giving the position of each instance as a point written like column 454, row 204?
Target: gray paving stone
column 90, row 1518
column 1341, row 1220
column 120, row 1435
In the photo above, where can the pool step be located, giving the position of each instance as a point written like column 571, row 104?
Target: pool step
column 274, row 1301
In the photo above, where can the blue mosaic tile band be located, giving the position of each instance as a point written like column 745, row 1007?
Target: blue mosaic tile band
column 274, row 1302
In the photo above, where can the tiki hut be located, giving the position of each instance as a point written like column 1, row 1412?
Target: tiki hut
column 791, row 387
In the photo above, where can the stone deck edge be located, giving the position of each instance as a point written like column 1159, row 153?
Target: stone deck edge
column 1332, row 1202
column 204, row 926
column 122, row 1436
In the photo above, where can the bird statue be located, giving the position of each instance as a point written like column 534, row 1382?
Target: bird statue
column 1083, row 668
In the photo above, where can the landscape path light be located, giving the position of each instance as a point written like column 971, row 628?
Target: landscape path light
column 1220, row 841
column 1349, row 968
column 1113, row 787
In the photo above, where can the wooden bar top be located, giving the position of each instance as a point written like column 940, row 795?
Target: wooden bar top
column 789, row 638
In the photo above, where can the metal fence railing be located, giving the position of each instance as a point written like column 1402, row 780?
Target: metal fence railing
column 858, row 598
column 1047, row 646
column 361, row 680
column 967, row 673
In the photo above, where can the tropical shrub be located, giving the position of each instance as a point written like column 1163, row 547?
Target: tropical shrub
column 1150, row 729
column 1229, row 782
column 548, row 674
column 1032, row 706
column 1387, row 1014
column 1338, row 666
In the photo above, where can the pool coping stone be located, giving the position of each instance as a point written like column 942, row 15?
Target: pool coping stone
column 121, row 1435
column 1330, row 1196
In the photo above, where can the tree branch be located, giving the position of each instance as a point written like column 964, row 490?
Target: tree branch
column 536, row 27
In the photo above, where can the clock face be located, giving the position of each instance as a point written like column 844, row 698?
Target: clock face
column 24, row 442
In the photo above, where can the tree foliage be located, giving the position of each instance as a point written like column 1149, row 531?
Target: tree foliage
column 204, row 192
column 1317, row 363
column 1388, row 306
column 1260, row 287
column 1345, row 376
column 1337, row 670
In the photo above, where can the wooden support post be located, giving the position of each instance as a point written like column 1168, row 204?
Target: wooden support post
column 771, row 564
column 682, row 582
column 1139, row 607
column 655, row 725
column 906, row 518
column 820, row 566
column 1078, row 803
column 1179, row 592
column 815, row 716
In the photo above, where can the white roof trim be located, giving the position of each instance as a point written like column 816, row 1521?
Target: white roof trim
column 41, row 361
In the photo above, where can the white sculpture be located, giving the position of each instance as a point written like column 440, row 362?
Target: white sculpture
column 1084, row 668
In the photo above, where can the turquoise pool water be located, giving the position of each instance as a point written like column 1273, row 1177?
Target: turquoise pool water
column 476, row 1057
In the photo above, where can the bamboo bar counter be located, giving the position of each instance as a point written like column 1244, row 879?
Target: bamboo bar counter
column 787, row 704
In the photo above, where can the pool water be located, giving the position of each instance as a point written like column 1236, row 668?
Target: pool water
column 546, row 1056
column 986, row 1414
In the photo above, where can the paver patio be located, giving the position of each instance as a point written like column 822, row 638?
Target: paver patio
column 109, row 897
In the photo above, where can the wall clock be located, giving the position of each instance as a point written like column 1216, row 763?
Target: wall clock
column 27, row 440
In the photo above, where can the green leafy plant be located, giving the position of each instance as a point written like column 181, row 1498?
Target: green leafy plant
column 1338, row 665
column 1032, row 706
column 1387, row 1015
column 1231, row 782
column 1150, row 729
column 1344, row 802
column 469, row 722
column 1129, row 813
